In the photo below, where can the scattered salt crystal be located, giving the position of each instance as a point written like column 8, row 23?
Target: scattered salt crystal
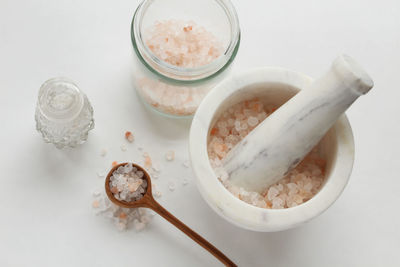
column 123, row 148
column 170, row 155
column 157, row 194
column 129, row 136
column 186, row 164
column 96, row 193
column 185, row 181
column 101, row 174
column 122, row 217
column 95, row 204
column 171, row 186
column 103, row 152
column 155, row 168
column 139, row 226
column 147, row 161
column 120, row 226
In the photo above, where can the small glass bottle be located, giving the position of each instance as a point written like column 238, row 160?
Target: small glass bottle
column 64, row 115
column 172, row 89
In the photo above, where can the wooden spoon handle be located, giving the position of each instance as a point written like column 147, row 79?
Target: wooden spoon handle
column 155, row 206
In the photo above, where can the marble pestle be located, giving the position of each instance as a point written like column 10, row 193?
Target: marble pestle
column 282, row 140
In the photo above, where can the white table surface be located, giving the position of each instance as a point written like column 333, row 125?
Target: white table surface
column 46, row 217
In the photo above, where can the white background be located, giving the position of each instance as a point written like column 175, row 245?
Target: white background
column 46, row 217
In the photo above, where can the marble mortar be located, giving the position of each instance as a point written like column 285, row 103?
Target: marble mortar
column 272, row 86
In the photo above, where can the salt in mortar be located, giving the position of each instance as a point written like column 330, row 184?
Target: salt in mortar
column 300, row 185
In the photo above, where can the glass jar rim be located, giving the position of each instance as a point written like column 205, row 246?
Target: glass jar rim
column 178, row 74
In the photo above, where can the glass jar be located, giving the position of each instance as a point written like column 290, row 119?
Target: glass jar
column 169, row 74
column 64, row 115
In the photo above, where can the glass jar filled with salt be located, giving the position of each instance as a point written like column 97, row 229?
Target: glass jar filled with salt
column 64, row 115
column 182, row 49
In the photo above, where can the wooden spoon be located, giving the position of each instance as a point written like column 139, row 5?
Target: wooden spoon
column 147, row 201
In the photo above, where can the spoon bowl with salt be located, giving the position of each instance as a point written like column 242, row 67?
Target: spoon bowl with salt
column 128, row 185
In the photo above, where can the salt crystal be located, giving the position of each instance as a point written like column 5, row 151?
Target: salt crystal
column 128, row 168
column 308, row 186
column 96, row 193
column 155, row 168
column 237, row 126
column 101, row 174
column 272, row 193
column 139, row 226
column 157, row 194
column 123, row 148
column 120, row 226
column 95, row 204
column 129, row 137
column 147, row 161
column 170, row 155
column 252, row 121
column 171, row 186
column 185, row 181
column 277, row 203
column 186, row 164
column 103, row 152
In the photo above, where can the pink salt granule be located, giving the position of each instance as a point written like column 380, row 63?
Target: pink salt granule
column 170, row 155
column 129, row 136
column 147, row 161
column 183, row 44
column 300, row 185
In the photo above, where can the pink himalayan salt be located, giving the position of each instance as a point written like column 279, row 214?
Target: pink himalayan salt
column 95, row 204
column 129, row 136
column 147, row 161
column 183, row 44
column 297, row 187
